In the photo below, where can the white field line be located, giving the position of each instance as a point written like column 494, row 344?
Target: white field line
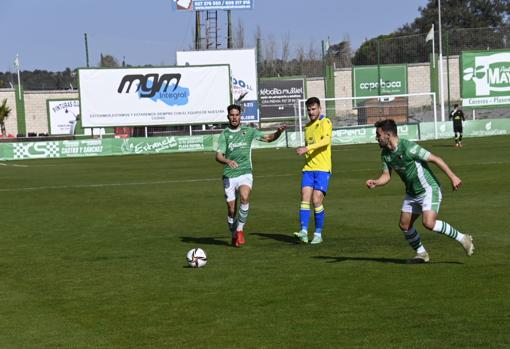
column 12, row 165
column 103, row 185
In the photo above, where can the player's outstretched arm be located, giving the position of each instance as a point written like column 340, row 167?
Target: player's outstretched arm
column 456, row 181
column 220, row 157
column 382, row 180
column 274, row 136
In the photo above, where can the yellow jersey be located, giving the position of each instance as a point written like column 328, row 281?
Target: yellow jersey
column 318, row 141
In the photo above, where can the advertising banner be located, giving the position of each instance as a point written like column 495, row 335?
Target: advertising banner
column 356, row 135
column 472, row 128
column 392, row 80
column 279, row 98
column 485, row 78
column 154, row 96
column 164, row 144
column 243, row 65
column 212, row 5
column 170, row 144
column 63, row 116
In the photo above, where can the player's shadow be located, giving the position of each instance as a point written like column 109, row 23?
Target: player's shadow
column 279, row 237
column 331, row 259
column 203, row 240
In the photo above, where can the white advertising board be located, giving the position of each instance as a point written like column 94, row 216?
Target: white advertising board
column 154, row 96
column 243, row 64
column 62, row 116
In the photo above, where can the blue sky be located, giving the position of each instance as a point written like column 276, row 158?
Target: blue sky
column 48, row 34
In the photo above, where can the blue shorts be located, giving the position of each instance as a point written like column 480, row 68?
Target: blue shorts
column 318, row 180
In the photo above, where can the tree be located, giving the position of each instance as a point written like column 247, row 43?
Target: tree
column 4, row 114
column 239, row 35
column 459, row 18
column 459, row 14
column 108, row 61
column 341, row 53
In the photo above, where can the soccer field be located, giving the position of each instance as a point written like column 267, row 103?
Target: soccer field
column 92, row 255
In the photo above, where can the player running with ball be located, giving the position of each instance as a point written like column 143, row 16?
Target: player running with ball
column 423, row 192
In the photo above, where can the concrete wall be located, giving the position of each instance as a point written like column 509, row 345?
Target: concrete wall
column 418, row 81
column 36, row 113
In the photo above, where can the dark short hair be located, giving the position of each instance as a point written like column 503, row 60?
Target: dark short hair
column 312, row 100
column 234, row 106
column 455, row 105
column 387, row 125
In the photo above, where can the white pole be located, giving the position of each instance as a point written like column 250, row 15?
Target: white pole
column 145, row 131
column 441, row 84
column 19, row 79
column 433, row 50
column 300, row 123
column 435, row 115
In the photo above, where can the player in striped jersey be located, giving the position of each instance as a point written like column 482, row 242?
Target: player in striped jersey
column 423, row 192
column 234, row 153
column 317, row 170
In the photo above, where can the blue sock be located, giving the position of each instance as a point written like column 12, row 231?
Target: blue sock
column 304, row 215
column 319, row 219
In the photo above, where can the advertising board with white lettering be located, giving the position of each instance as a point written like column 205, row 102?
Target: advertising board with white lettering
column 485, row 78
column 154, row 96
column 387, row 79
column 280, row 97
column 243, row 64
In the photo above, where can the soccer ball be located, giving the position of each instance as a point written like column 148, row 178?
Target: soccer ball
column 196, row 258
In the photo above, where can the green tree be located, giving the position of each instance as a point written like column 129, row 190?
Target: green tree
column 108, row 61
column 459, row 14
column 5, row 110
column 459, row 18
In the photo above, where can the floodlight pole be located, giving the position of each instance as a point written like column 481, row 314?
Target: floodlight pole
column 441, row 84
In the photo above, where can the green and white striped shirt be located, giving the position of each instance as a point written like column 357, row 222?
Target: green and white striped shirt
column 236, row 145
column 409, row 160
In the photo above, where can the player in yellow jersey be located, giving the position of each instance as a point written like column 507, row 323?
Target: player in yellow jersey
column 317, row 170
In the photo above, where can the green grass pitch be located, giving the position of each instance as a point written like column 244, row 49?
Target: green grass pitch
column 92, row 255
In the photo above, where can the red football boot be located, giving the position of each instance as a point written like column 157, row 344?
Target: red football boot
column 240, row 237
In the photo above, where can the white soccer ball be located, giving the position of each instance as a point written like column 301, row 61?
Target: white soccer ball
column 196, row 258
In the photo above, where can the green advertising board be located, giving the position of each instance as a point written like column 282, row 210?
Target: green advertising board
column 366, row 134
column 485, row 78
column 172, row 144
column 373, row 80
column 472, row 128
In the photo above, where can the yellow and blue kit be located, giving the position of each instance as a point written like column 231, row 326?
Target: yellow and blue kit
column 318, row 135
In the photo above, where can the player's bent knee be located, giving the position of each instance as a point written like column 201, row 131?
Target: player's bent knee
column 429, row 223
column 404, row 226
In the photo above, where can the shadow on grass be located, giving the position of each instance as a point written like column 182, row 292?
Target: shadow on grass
column 279, row 237
column 203, row 240
column 332, row 259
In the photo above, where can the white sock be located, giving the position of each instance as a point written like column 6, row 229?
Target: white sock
column 446, row 229
column 243, row 216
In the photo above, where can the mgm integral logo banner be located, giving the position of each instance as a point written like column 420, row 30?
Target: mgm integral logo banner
column 154, row 96
column 485, row 78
